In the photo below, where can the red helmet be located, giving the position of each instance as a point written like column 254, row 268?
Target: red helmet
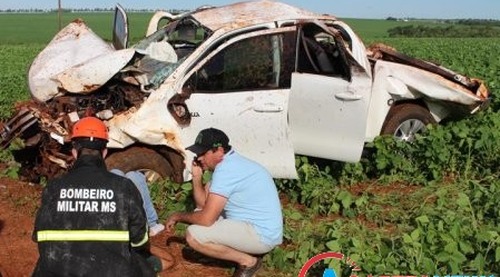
column 91, row 128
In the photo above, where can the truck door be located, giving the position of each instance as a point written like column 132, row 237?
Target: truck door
column 242, row 87
column 120, row 28
column 329, row 98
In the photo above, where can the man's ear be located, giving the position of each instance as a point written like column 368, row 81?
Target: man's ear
column 74, row 152
column 104, row 152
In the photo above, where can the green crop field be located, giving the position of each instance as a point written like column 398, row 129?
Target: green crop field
column 41, row 27
column 427, row 208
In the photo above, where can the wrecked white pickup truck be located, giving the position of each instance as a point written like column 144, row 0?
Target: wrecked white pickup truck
column 278, row 83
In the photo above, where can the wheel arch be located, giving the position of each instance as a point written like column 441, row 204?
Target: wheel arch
column 436, row 108
column 404, row 111
column 174, row 159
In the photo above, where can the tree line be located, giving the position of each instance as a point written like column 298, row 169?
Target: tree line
column 456, row 31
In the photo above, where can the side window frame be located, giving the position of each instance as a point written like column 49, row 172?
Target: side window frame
column 315, row 57
column 191, row 77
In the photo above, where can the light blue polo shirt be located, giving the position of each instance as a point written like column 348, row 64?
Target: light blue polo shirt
column 251, row 196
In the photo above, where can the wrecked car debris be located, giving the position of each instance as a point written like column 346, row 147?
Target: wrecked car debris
column 279, row 84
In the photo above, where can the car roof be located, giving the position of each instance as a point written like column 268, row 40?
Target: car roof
column 244, row 14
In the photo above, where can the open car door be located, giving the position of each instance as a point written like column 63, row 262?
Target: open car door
column 329, row 98
column 120, row 28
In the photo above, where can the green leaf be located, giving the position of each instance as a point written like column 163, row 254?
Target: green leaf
column 459, row 257
column 346, row 199
column 451, row 247
column 443, row 257
column 407, row 238
column 479, row 261
column 361, row 201
column 462, row 200
column 295, row 216
column 423, row 219
column 466, row 247
column 187, row 186
column 415, row 235
column 357, row 243
column 333, row 245
column 497, row 254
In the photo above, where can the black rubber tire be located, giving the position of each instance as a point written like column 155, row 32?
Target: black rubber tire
column 403, row 121
column 142, row 159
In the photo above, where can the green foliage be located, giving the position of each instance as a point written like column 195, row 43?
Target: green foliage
column 14, row 68
column 12, row 167
column 447, row 226
column 302, row 237
column 318, row 190
column 466, row 149
column 442, row 229
column 169, row 196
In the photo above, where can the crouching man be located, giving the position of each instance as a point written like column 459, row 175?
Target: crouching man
column 239, row 213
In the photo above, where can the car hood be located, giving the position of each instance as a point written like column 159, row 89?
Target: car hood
column 76, row 60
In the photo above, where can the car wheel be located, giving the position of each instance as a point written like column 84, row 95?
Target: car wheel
column 149, row 162
column 406, row 120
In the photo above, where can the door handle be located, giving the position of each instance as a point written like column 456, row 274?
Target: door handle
column 267, row 108
column 348, row 96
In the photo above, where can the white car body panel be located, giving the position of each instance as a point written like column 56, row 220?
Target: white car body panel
column 328, row 115
column 236, row 113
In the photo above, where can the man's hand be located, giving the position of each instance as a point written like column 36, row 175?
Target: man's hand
column 196, row 170
column 171, row 221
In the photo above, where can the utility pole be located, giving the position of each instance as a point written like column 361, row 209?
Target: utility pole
column 59, row 13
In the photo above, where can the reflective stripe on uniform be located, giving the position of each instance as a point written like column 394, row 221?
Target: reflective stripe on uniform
column 143, row 241
column 82, row 235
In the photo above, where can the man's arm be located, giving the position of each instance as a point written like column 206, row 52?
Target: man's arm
column 137, row 217
column 213, row 208
column 43, row 216
column 200, row 192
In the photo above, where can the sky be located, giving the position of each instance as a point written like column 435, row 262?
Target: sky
column 379, row 9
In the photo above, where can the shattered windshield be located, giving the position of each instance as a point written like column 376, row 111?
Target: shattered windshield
column 163, row 51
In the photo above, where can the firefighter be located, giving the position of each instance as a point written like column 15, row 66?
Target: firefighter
column 91, row 222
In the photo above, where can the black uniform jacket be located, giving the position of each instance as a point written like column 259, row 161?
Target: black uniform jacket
column 91, row 223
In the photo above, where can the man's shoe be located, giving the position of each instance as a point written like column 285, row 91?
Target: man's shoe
column 248, row 271
column 155, row 230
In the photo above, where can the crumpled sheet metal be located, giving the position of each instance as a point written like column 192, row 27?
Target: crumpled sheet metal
column 244, row 14
column 432, row 86
column 89, row 76
column 73, row 45
column 150, row 124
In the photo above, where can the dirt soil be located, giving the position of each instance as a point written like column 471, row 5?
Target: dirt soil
column 18, row 255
